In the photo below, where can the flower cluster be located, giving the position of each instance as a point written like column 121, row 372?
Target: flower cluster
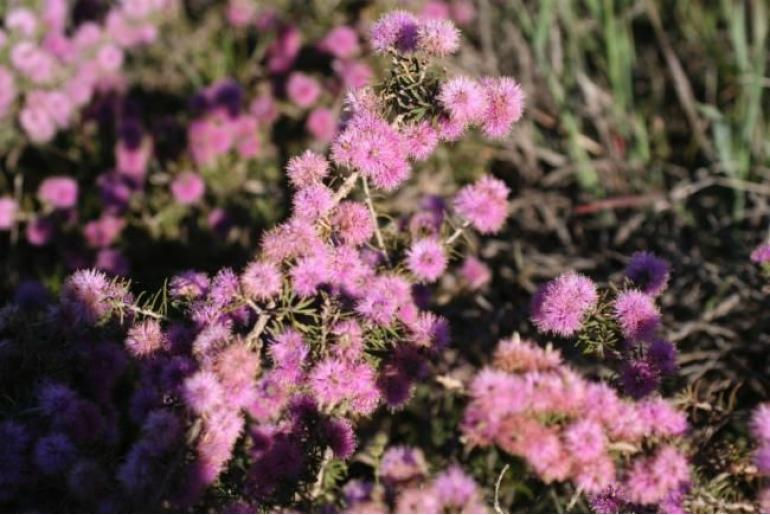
column 405, row 487
column 253, row 380
column 53, row 68
column 620, row 323
column 567, row 428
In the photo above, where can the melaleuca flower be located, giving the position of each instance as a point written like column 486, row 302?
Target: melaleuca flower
column 58, row 192
column 475, row 273
column 464, row 99
column 307, row 169
column 312, row 202
column 761, row 254
column 203, row 393
column 421, row 140
column 145, row 338
column 438, row 37
column 54, row 453
column 426, row 260
column 402, row 464
column 341, row 437
column 395, row 30
column 189, row 284
column 650, row 480
column 504, row 105
column 8, row 210
column 561, row 306
column 639, row 378
column 188, row 188
column 484, row 204
column 341, row 41
column 637, row 315
column 261, row 280
column 648, row 273
column 302, row 90
column 352, row 223
column 88, row 296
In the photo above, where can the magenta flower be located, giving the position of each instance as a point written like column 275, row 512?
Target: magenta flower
column 562, row 304
column 426, row 260
column 421, row 140
column 484, row 204
column 637, row 315
column 8, row 209
column 760, row 423
column 761, row 254
column 505, row 105
column 302, row 90
column 188, row 188
column 60, row 192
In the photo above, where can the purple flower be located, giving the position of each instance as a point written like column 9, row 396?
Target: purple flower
column 54, row 453
column 648, row 273
column 761, row 254
column 438, row 37
column 397, row 30
column 638, row 378
column 340, row 437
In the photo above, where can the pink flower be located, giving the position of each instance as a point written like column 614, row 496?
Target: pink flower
column 188, row 188
column 312, row 202
column 241, row 13
column 59, row 192
column 22, row 21
column 8, row 209
column 202, row 392
column 562, row 304
column 484, row 204
column 144, row 338
column 475, row 273
column 302, row 90
column 261, row 280
column 321, row 124
column 103, row 231
column 37, row 123
column 307, row 169
column 354, row 74
column 372, row 146
column 421, row 140
column 761, row 254
column 505, row 105
column 247, row 137
column 341, row 41
column 464, row 99
column 637, row 315
column 352, row 223
column 39, row 231
column 110, row 58
column 463, row 12
column 309, row 273
column 426, row 260
column 397, row 30
column 585, row 440
column 438, row 37
column 264, row 109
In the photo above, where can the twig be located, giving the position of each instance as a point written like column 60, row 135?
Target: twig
column 458, row 232
column 498, row 509
column 346, row 187
column 377, row 233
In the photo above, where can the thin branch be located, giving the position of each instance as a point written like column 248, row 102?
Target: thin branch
column 346, row 188
column 377, row 233
column 498, row 509
column 458, row 232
